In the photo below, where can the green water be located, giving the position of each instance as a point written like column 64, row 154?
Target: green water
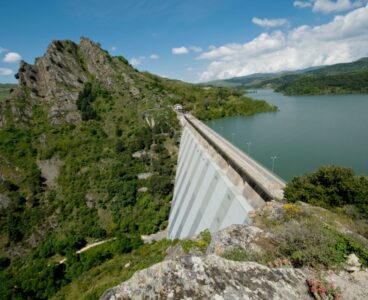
column 307, row 132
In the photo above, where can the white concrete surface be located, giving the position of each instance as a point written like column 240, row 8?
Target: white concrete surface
column 209, row 193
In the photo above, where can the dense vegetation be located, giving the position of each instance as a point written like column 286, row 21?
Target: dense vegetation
column 97, row 193
column 5, row 89
column 42, row 278
column 303, row 236
column 309, row 236
column 208, row 103
column 326, row 84
column 114, row 271
column 334, row 188
column 336, row 79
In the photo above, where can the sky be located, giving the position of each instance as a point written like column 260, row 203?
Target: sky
column 191, row 40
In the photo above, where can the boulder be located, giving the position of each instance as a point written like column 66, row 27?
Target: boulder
column 211, row 277
column 352, row 263
column 249, row 238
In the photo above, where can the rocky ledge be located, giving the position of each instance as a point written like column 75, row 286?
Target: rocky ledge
column 208, row 272
column 211, row 277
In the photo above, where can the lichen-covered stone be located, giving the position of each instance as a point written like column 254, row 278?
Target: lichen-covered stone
column 250, row 238
column 50, row 170
column 211, row 277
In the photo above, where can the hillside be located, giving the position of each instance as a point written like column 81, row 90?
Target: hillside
column 292, row 250
column 87, row 152
column 335, row 79
column 5, row 89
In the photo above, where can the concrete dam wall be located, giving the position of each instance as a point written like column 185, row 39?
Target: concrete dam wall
column 216, row 184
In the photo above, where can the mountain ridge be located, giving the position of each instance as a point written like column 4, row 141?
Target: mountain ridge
column 332, row 79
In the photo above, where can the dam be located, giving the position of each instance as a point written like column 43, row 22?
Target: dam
column 216, row 184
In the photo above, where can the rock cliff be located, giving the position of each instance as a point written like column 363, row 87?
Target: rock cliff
column 55, row 80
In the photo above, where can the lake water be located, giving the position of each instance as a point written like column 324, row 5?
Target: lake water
column 307, row 132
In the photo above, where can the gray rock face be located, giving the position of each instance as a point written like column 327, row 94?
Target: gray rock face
column 50, row 170
column 211, row 277
column 4, row 201
column 55, row 80
column 250, row 238
column 353, row 286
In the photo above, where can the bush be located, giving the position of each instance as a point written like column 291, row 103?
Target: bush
column 126, row 243
column 4, row 262
column 84, row 102
column 330, row 187
column 70, row 244
column 311, row 243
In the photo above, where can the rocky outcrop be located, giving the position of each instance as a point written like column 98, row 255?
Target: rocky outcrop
column 251, row 238
column 50, row 170
column 55, row 80
column 211, row 277
column 353, row 286
column 4, row 201
column 200, row 273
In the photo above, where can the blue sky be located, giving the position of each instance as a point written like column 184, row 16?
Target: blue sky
column 192, row 40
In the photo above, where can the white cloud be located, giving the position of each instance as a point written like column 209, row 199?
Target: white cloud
column 343, row 39
column 180, row 50
column 330, row 6
column 154, row 56
column 114, row 48
column 195, row 49
column 135, row 61
column 12, row 57
column 303, row 4
column 269, row 22
column 2, row 49
column 190, row 69
column 186, row 50
column 5, row 72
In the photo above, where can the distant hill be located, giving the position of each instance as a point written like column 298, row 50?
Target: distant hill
column 335, row 79
column 5, row 89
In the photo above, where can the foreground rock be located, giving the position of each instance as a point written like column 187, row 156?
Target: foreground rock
column 251, row 238
column 211, row 277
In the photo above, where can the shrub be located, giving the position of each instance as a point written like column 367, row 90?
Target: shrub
column 4, row 262
column 311, row 243
column 236, row 254
column 126, row 243
column 330, row 187
column 70, row 244
column 84, row 102
column 201, row 244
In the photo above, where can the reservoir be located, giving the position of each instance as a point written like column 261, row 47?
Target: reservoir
column 306, row 133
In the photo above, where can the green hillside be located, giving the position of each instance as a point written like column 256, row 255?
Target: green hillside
column 5, row 90
column 94, row 161
column 335, row 79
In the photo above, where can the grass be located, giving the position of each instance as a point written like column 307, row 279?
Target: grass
column 5, row 90
column 204, row 239
column 305, row 236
